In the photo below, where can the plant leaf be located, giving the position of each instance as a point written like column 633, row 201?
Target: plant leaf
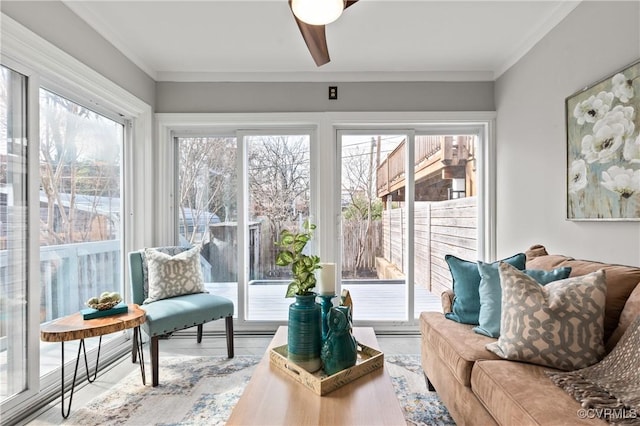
column 298, row 246
column 292, row 289
column 287, row 239
column 284, row 258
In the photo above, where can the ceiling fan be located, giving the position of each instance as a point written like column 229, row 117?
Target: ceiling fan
column 315, row 38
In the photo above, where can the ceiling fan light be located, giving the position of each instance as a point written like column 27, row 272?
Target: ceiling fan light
column 317, row 12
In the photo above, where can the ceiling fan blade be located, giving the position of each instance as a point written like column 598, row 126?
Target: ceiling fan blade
column 315, row 37
column 316, row 40
column 349, row 3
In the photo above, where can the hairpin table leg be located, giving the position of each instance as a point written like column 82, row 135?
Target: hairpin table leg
column 90, row 379
column 137, row 337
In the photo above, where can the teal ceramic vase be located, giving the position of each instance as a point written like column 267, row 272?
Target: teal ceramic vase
column 340, row 349
column 305, row 333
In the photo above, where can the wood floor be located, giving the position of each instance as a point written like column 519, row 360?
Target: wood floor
column 186, row 345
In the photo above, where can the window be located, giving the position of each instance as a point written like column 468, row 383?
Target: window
column 407, row 199
column 371, row 186
column 14, row 260
column 80, row 227
column 276, row 172
column 83, row 165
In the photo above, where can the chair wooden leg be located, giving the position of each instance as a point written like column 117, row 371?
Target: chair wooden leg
column 134, row 348
column 154, row 361
column 229, row 328
column 200, row 333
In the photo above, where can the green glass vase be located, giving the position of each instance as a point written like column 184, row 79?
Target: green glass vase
column 305, row 332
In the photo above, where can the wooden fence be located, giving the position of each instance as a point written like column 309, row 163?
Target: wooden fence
column 361, row 244
column 443, row 227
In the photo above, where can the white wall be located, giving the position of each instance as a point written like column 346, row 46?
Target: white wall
column 595, row 40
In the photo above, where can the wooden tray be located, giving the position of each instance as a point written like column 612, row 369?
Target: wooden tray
column 320, row 383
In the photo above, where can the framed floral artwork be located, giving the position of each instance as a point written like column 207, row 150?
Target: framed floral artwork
column 603, row 149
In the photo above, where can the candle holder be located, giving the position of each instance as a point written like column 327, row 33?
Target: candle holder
column 326, row 306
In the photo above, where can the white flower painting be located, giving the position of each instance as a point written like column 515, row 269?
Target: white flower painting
column 603, row 149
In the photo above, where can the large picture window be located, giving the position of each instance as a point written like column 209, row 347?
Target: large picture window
column 80, row 199
column 68, row 138
column 14, row 260
column 388, row 201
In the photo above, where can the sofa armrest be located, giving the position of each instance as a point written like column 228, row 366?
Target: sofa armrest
column 446, row 298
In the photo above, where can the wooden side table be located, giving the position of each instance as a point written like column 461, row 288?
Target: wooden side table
column 74, row 327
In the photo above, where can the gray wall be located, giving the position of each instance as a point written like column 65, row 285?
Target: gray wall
column 313, row 97
column 595, row 40
column 53, row 21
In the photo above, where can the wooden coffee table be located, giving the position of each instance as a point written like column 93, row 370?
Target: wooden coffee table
column 272, row 398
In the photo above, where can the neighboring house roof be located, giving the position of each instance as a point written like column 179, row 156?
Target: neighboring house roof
column 111, row 206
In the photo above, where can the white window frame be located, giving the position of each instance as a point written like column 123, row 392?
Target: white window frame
column 47, row 65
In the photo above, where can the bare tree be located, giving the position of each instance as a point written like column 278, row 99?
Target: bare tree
column 279, row 178
column 279, row 185
column 77, row 160
column 206, row 182
column 358, row 185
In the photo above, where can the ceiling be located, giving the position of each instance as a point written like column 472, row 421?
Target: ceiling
column 374, row 40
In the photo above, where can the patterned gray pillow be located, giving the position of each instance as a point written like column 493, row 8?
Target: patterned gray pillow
column 560, row 325
column 170, row 250
column 171, row 276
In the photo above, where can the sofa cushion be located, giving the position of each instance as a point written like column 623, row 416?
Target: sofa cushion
column 629, row 314
column 621, row 280
column 559, row 325
column 491, row 294
column 517, row 393
column 466, row 282
column 455, row 344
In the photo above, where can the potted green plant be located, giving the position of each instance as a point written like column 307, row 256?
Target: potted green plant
column 305, row 328
column 303, row 266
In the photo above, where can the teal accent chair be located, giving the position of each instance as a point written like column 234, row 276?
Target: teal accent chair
column 176, row 313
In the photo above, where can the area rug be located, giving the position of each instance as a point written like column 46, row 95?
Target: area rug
column 203, row 391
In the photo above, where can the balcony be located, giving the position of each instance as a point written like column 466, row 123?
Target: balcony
column 443, row 169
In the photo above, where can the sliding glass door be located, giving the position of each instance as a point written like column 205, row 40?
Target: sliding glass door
column 373, row 270
column 389, row 202
column 278, row 176
column 207, row 207
column 236, row 194
column 407, row 199
column 15, row 349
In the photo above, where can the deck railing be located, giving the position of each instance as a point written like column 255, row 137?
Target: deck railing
column 70, row 274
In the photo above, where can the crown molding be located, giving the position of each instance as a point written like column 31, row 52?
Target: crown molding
column 555, row 17
column 324, row 76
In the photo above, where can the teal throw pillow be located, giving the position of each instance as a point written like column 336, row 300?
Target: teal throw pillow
column 491, row 294
column 466, row 283
column 546, row 277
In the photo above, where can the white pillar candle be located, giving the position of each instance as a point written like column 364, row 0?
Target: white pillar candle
column 327, row 284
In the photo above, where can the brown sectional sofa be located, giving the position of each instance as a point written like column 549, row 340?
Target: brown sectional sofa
column 479, row 388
